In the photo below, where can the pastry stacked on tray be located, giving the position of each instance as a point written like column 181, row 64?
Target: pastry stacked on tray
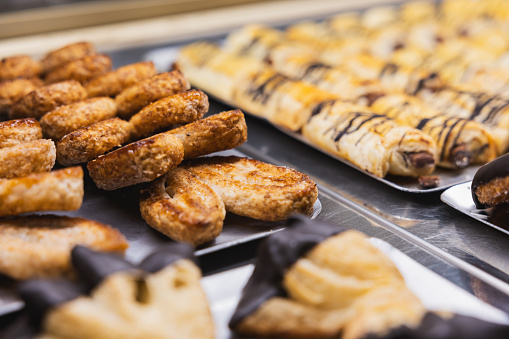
column 130, row 126
column 357, row 82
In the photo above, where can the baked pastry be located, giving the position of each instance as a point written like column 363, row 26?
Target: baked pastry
column 65, row 54
column 183, row 208
column 40, row 246
column 35, row 156
column 87, row 143
column 178, row 109
column 114, row 82
column 68, row 118
column 44, row 99
column 134, row 98
column 19, row 131
column 60, row 190
column 81, row 70
column 137, row 162
column 125, row 300
column 490, row 185
column 19, row 66
column 371, row 141
column 255, row 189
column 13, row 90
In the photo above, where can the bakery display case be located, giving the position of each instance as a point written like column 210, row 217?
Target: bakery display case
column 451, row 254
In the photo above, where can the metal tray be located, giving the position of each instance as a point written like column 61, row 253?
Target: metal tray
column 223, row 291
column 163, row 58
column 460, row 198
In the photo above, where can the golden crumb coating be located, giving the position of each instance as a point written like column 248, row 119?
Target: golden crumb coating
column 19, row 66
column 140, row 161
column 19, row 131
column 66, row 119
column 66, row 54
column 183, row 208
column 179, row 109
column 89, row 142
column 114, row 82
column 40, row 246
column 218, row 132
column 60, row 190
column 81, row 70
column 13, row 90
column 256, row 189
column 134, row 98
column 44, row 99
column 31, row 157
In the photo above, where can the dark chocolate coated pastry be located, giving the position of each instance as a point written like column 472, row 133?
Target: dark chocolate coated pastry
column 490, row 186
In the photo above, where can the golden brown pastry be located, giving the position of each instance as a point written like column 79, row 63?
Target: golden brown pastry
column 183, row 208
column 66, row 54
column 255, row 189
column 15, row 132
column 13, row 90
column 30, row 157
column 60, row 190
column 19, row 66
column 178, row 109
column 40, row 246
column 139, row 95
column 89, row 142
column 114, row 82
column 68, row 118
column 44, row 99
column 218, row 132
column 140, row 161
column 81, row 70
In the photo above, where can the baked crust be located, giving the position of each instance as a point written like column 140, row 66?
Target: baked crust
column 139, row 95
column 44, row 99
column 19, row 66
column 19, row 131
column 140, row 161
column 31, row 157
column 178, row 109
column 218, row 132
column 89, row 142
column 66, row 54
column 40, row 246
column 81, row 70
column 114, row 82
column 60, row 190
column 68, row 118
column 183, row 208
column 256, row 189
column 13, row 90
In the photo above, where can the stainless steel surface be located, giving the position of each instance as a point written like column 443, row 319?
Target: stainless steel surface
column 460, row 198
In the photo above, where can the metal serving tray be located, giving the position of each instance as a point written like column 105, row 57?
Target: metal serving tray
column 460, row 198
column 163, row 58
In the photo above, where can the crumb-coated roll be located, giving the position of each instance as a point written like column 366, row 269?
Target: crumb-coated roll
column 40, row 246
column 60, row 190
column 13, row 90
column 89, row 142
column 178, row 109
column 139, row 95
column 81, row 70
column 68, row 118
column 23, row 159
column 19, row 131
column 490, row 185
column 138, row 162
column 66, row 54
column 255, row 189
column 218, row 132
column 183, row 208
column 19, row 66
column 114, row 82
column 44, row 99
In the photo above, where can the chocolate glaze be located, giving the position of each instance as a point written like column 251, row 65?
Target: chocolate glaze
column 435, row 327
column 275, row 255
column 497, row 168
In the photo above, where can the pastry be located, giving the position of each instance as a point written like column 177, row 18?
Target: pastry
column 20, row 131
column 81, row 70
column 35, row 156
column 66, row 54
column 19, row 66
column 490, row 185
column 13, row 90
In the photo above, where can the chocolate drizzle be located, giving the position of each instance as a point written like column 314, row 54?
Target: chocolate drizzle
column 497, row 168
column 262, row 92
column 275, row 255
